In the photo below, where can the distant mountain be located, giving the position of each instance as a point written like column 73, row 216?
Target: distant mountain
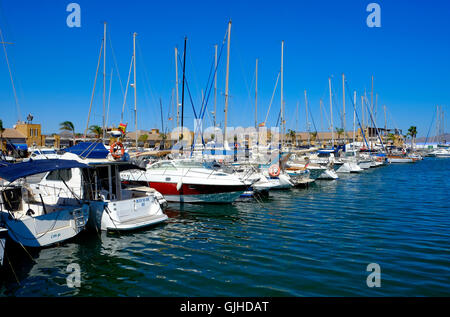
column 433, row 139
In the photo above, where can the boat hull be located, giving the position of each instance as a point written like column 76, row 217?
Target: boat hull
column 126, row 215
column 3, row 234
column 195, row 193
column 47, row 229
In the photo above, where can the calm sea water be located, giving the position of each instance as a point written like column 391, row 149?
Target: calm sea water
column 303, row 242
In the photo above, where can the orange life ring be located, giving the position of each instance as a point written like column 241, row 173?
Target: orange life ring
column 274, row 170
column 115, row 148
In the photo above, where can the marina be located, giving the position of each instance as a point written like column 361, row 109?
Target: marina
column 220, row 163
column 322, row 238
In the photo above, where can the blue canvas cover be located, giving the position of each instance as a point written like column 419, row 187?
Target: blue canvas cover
column 94, row 150
column 11, row 172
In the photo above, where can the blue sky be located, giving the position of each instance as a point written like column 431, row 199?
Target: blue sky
column 54, row 65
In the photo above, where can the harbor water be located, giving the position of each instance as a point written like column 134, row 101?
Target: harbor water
column 316, row 241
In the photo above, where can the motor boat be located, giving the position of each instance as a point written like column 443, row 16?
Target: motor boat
column 188, row 181
column 42, row 154
column 442, row 153
column 350, row 163
column 113, row 207
column 30, row 221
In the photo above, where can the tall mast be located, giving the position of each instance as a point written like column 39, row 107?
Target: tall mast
column 134, row 86
column 331, row 113
column 371, row 97
column 385, row 121
column 282, row 101
column 176, row 87
column 376, row 108
column 256, row 95
column 215, row 84
column 321, row 114
column 354, row 119
column 226, row 85
column 362, row 110
column 307, row 120
column 182, row 88
column 104, row 78
column 343, row 104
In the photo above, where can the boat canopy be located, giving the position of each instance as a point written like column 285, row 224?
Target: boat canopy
column 11, row 172
column 94, row 150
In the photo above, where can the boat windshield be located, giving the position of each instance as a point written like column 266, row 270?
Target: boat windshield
column 189, row 164
column 48, row 152
column 162, row 165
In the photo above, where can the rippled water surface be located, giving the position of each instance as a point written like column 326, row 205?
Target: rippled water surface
column 303, row 242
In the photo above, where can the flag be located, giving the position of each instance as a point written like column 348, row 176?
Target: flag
column 122, row 127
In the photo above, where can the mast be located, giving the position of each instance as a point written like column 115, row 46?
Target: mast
column 176, row 86
column 162, row 120
column 385, row 121
column 182, row 88
column 343, row 103
column 282, row 101
column 321, row 114
column 226, row 86
column 354, row 119
column 376, row 109
column 256, row 95
column 371, row 97
column 215, row 85
column 104, row 77
column 134, row 86
column 331, row 113
column 362, row 110
column 307, row 121
column 2, row 41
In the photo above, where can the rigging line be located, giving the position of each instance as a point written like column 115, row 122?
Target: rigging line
column 126, row 90
column 192, row 65
column 10, row 75
column 187, row 86
column 208, row 91
column 271, row 99
column 93, row 89
column 429, row 129
column 376, row 128
column 109, row 98
column 356, row 113
column 115, row 61
column 146, row 77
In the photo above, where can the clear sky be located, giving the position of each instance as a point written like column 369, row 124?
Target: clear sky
column 54, row 66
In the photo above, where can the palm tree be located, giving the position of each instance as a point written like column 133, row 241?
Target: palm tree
column 339, row 132
column 68, row 126
column 292, row 135
column 313, row 135
column 97, row 130
column 391, row 137
column 412, row 131
column 143, row 138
